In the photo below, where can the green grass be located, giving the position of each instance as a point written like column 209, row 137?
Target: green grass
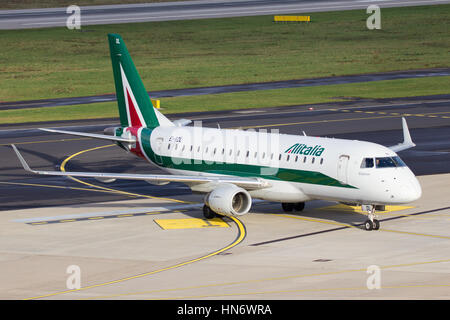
column 56, row 62
column 266, row 98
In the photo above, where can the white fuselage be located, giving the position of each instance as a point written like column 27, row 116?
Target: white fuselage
column 298, row 168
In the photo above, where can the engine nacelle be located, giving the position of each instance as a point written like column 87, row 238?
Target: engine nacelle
column 157, row 183
column 105, row 180
column 229, row 200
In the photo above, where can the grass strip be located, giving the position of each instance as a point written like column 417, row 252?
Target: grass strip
column 242, row 100
column 57, row 62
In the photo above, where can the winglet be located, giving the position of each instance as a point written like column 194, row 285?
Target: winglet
column 21, row 159
column 407, row 141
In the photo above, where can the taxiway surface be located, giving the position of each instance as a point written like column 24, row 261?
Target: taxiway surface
column 137, row 241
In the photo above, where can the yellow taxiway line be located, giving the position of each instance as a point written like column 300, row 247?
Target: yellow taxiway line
column 64, row 163
column 238, row 240
column 288, row 277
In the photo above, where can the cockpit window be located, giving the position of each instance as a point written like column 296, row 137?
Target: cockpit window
column 367, row 163
column 399, row 162
column 389, row 162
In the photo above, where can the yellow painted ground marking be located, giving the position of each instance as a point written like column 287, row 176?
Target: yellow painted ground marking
column 95, row 218
column 241, row 236
column 130, row 194
column 45, row 141
column 51, row 186
column 303, row 290
column 67, row 220
column 356, row 227
column 392, row 115
column 191, row 223
column 316, row 220
column 415, row 233
column 357, row 209
column 251, row 281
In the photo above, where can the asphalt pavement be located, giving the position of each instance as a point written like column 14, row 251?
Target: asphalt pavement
column 377, row 121
column 169, row 11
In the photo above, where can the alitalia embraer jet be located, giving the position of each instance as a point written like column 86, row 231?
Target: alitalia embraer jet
column 233, row 166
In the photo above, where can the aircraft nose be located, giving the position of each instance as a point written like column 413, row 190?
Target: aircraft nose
column 416, row 189
column 411, row 190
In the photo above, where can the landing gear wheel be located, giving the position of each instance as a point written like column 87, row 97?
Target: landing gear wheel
column 299, row 206
column 376, row 224
column 208, row 213
column 368, row 225
column 287, row 207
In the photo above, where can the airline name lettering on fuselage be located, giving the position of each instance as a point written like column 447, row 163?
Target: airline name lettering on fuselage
column 306, row 150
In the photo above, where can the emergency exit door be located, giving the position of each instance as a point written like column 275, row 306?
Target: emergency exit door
column 342, row 169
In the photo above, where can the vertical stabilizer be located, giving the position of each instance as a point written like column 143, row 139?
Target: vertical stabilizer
column 135, row 106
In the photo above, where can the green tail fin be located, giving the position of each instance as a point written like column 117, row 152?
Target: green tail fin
column 135, row 106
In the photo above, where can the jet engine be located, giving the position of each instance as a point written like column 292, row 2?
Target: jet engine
column 105, row 180
column 229, row 200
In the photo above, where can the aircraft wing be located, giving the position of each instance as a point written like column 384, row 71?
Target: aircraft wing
column 246, row 183
column 92, row 135
column 407, row 141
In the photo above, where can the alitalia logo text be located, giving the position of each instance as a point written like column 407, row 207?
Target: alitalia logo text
column 306, row 150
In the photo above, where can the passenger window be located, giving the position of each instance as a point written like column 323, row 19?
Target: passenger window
column 168, row 146
column 312, row 161
column 321, row 160
column 287, row 158
column 304, row 160
column 367, row 163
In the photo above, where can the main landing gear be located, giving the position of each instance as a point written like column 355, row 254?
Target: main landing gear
column 371, row 223
column 289, row 207
column 208, row 213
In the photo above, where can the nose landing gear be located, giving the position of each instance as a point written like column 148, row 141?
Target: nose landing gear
column 371, row 223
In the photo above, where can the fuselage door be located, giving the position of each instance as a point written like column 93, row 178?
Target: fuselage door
column 158, row 151
column 342, row 168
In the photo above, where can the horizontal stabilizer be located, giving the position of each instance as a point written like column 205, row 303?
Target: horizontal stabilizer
column 92, row 135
